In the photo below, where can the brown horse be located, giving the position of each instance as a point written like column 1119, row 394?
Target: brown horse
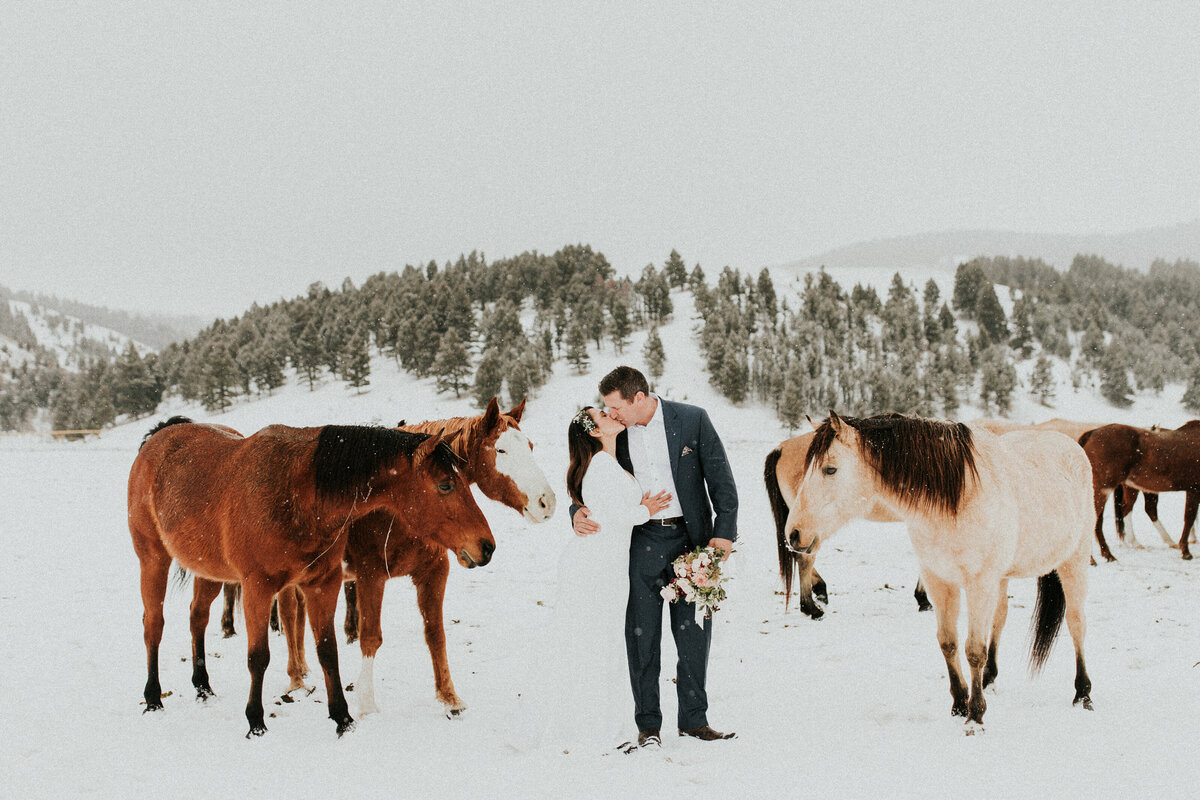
column 272, row 510
column 495, row 454
column 1151, row 461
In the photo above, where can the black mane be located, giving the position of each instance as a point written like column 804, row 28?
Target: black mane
column 172, row 421
column 923, row 461
column 348, row 456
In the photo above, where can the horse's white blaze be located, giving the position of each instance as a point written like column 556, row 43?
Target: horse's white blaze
column 514, row 459
column 364, row 688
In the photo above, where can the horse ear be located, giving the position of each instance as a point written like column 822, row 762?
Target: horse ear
column 451, row 436
column 835, row 422
column 400, row 424
column 426, row 448
column 812, row 424
column 491, row 415
column 518, row 411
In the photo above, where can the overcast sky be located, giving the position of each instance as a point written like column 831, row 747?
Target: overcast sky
column 195, row 157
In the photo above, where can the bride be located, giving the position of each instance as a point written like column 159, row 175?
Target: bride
column 593, row 702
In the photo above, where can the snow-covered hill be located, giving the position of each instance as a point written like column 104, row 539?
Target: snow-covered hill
column 70, row 339
column 855, row 705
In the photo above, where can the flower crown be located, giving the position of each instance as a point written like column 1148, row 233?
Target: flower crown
column 585, row 420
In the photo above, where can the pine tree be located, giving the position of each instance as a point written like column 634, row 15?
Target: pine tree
column 489, row 378
column 1022, row 336
column 991, row 315
column 356, row 360
column 308, row 354
column 654, row 354
column 621, row 327
column 1191, row 395
column 998, row 379
column 969, row 280
column 452, row 365
column 1041, row 382
column 577, row 352
column 696, row 279
column 1114, row 377
column 675, row 270
column 791, row 401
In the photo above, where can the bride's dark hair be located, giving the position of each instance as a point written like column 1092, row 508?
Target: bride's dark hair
column 582, row 446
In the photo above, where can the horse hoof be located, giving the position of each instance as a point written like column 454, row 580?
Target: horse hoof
column 345, row 726
column 1086, row 702
column 256, row 730
column 972, row 727
column 204, row 692
column 155, row 707
column 1187, row 556
column 958, row 711
column 455, row 712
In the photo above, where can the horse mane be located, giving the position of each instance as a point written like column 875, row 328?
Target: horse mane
column 348, row 456
column 924, row 462
column 176, row 420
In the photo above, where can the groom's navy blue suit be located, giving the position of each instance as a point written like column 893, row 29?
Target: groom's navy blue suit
column 703, row 484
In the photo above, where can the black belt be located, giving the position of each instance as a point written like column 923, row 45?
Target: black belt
column 670, row 522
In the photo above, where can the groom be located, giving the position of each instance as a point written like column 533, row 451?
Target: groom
column 668, row 447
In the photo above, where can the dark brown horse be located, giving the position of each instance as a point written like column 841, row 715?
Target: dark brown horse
column 495, row 455
column 1152, row 461
column 272, row 510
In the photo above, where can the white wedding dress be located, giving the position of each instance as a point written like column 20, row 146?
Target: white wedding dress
column 591, row 703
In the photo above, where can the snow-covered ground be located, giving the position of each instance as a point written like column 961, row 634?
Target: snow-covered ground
column 854, row 705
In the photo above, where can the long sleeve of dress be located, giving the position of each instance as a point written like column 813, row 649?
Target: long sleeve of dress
column 612, row 495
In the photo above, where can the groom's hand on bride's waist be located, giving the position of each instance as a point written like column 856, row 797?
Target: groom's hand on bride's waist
column 583, row 523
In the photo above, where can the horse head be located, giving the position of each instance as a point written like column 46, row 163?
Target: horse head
column 507, row 472
column 836, row 487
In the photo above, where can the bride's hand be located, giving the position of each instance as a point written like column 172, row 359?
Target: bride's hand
column 656, row 503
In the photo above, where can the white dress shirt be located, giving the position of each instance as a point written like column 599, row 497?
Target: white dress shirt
column 652, row 461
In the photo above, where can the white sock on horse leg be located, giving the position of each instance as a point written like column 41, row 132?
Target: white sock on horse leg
column 1129, row 539
column 1166, row 537
column 364, row 688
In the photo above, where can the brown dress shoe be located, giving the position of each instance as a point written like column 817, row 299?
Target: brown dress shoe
column 707, row 734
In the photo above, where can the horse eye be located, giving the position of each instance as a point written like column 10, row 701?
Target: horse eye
column 445, row 487
column 828, row 470
column 498, row 450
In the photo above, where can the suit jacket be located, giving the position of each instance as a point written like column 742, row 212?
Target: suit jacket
column 703, row 478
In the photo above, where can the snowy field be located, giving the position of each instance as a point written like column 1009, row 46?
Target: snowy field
column 854, row 705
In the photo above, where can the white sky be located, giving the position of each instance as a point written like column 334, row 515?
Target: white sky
column 196, row 157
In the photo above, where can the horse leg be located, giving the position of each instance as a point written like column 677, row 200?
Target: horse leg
column 1123, row 499
column 921, row 597
column 1074, row 579
column 1189, row 519
column 231, row 593
column 351, row 624
column 321, row 598
column 1101, row 500
column 431, row 591
column 810, row 580
column 156, row 567
column 992, row 670
column 203, row 593
column 291, row 617
column 1150, row 502
column 257, row 594
column 945, row 597
column 369, row 591
column 982, row 601
column 819, row 589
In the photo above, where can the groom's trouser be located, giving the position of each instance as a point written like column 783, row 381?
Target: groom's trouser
column 652, row 549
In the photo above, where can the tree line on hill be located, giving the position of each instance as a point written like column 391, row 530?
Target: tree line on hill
column 499, row 328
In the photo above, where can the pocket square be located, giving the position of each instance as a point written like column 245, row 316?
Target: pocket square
column 685, row 451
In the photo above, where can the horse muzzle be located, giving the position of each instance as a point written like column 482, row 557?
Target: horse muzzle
column 486, row 549
column 542, row 508
column 795, row 545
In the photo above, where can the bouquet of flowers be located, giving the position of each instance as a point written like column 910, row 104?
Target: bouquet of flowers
column 698, row 581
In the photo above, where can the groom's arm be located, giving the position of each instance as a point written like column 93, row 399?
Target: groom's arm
column 582, row 523
column 718, row 477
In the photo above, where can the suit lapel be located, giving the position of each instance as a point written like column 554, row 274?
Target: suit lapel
column 623, row 452
column 671, row 423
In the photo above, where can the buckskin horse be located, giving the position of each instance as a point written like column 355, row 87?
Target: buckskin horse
column 494, row 454
column 980, row 510
column 272, row 510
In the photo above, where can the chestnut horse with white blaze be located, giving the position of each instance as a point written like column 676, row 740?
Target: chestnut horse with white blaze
column 494, row 454
column 271, row 511
column 980, row 509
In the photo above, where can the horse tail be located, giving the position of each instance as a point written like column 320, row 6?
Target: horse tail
column 181, row 576
column 779, row 508
column 1048, row 614
column 172, row 421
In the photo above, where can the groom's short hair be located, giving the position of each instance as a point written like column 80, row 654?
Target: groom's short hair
column 626, row 380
